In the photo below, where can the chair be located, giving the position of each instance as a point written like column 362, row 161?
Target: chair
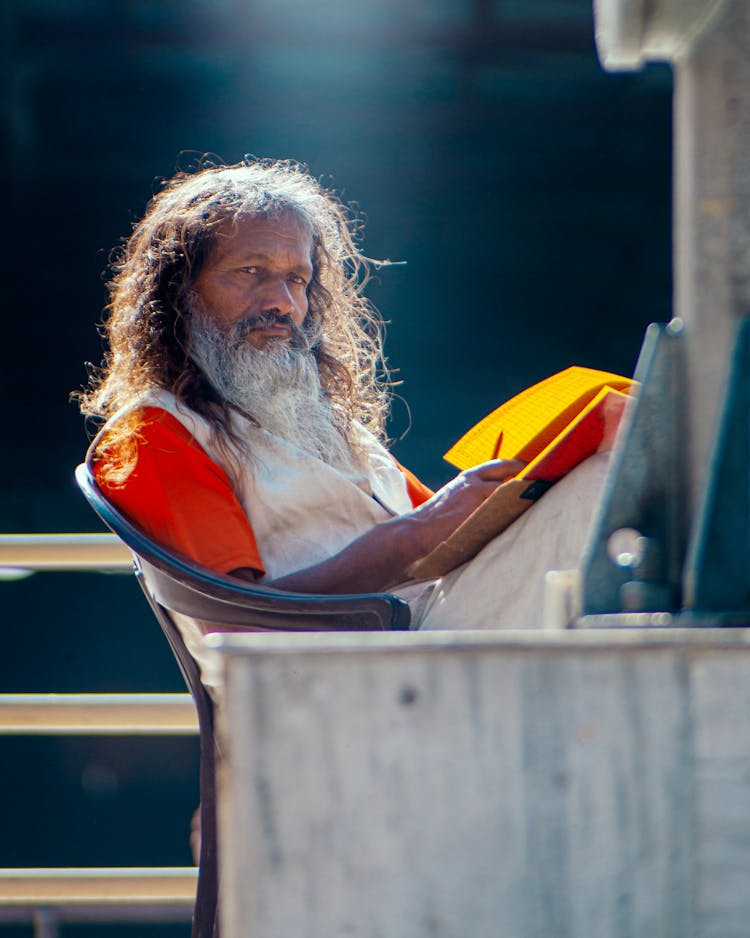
column 173, row 584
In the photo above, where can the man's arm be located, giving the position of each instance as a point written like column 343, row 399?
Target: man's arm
column 380, row 558
column 161, row 494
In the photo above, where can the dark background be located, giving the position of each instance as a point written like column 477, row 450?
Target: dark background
column 528, row 191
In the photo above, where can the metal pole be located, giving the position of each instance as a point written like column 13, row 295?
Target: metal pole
column 45, row 924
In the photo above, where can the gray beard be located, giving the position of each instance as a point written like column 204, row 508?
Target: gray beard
column 278, row 386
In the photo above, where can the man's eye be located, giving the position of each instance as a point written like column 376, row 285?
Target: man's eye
column 252, row 269
column 296, row 278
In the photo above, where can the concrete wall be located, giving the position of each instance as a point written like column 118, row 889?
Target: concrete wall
column 547, row 784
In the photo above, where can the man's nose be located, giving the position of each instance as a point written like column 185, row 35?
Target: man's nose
column 278, row 296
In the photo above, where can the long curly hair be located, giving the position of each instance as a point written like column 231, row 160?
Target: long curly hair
column 147, row 322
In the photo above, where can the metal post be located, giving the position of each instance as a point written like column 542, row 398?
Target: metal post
column 45, row 924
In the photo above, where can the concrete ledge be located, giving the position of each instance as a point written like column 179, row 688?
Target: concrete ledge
column 573, row 640
column 572, row 782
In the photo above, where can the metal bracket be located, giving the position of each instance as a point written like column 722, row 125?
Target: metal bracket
column 643, row 496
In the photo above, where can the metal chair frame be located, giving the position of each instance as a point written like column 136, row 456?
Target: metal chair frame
column 174, row 584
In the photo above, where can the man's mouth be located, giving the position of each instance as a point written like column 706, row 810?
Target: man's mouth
column 279, row 330
column 269, row 324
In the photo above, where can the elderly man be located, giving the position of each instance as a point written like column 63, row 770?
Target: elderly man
column 244, row 410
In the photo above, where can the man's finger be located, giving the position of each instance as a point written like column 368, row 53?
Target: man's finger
column 497, row 470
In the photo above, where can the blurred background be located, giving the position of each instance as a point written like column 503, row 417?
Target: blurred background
column 527, row 190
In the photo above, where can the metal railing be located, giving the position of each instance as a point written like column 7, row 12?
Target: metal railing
column 64, row 552
column 47, row 897
column 98, row 714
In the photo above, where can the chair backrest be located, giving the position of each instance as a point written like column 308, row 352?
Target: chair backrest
column 179, row 585
column 174, row 584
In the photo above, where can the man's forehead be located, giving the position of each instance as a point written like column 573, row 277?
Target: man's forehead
column 245, row 230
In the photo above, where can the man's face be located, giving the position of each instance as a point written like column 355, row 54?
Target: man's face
column 258, row 273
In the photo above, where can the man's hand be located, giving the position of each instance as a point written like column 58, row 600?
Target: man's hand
column 436, row 519
column 381, row 557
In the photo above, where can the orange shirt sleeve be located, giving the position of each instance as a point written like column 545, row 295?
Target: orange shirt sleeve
column 418, row 491
column 179, row 496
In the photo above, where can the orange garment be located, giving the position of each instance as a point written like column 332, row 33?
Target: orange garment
column 417, row 491
column 184, row 500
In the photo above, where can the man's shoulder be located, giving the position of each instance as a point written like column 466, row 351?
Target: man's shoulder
column 145, row 430
column 154, row 425
column 156, row 414
column 365, row 439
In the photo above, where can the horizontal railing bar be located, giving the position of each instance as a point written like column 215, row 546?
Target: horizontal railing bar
column 98, row 714
column 64, row 552
column 60, row 912
column 98, row 886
